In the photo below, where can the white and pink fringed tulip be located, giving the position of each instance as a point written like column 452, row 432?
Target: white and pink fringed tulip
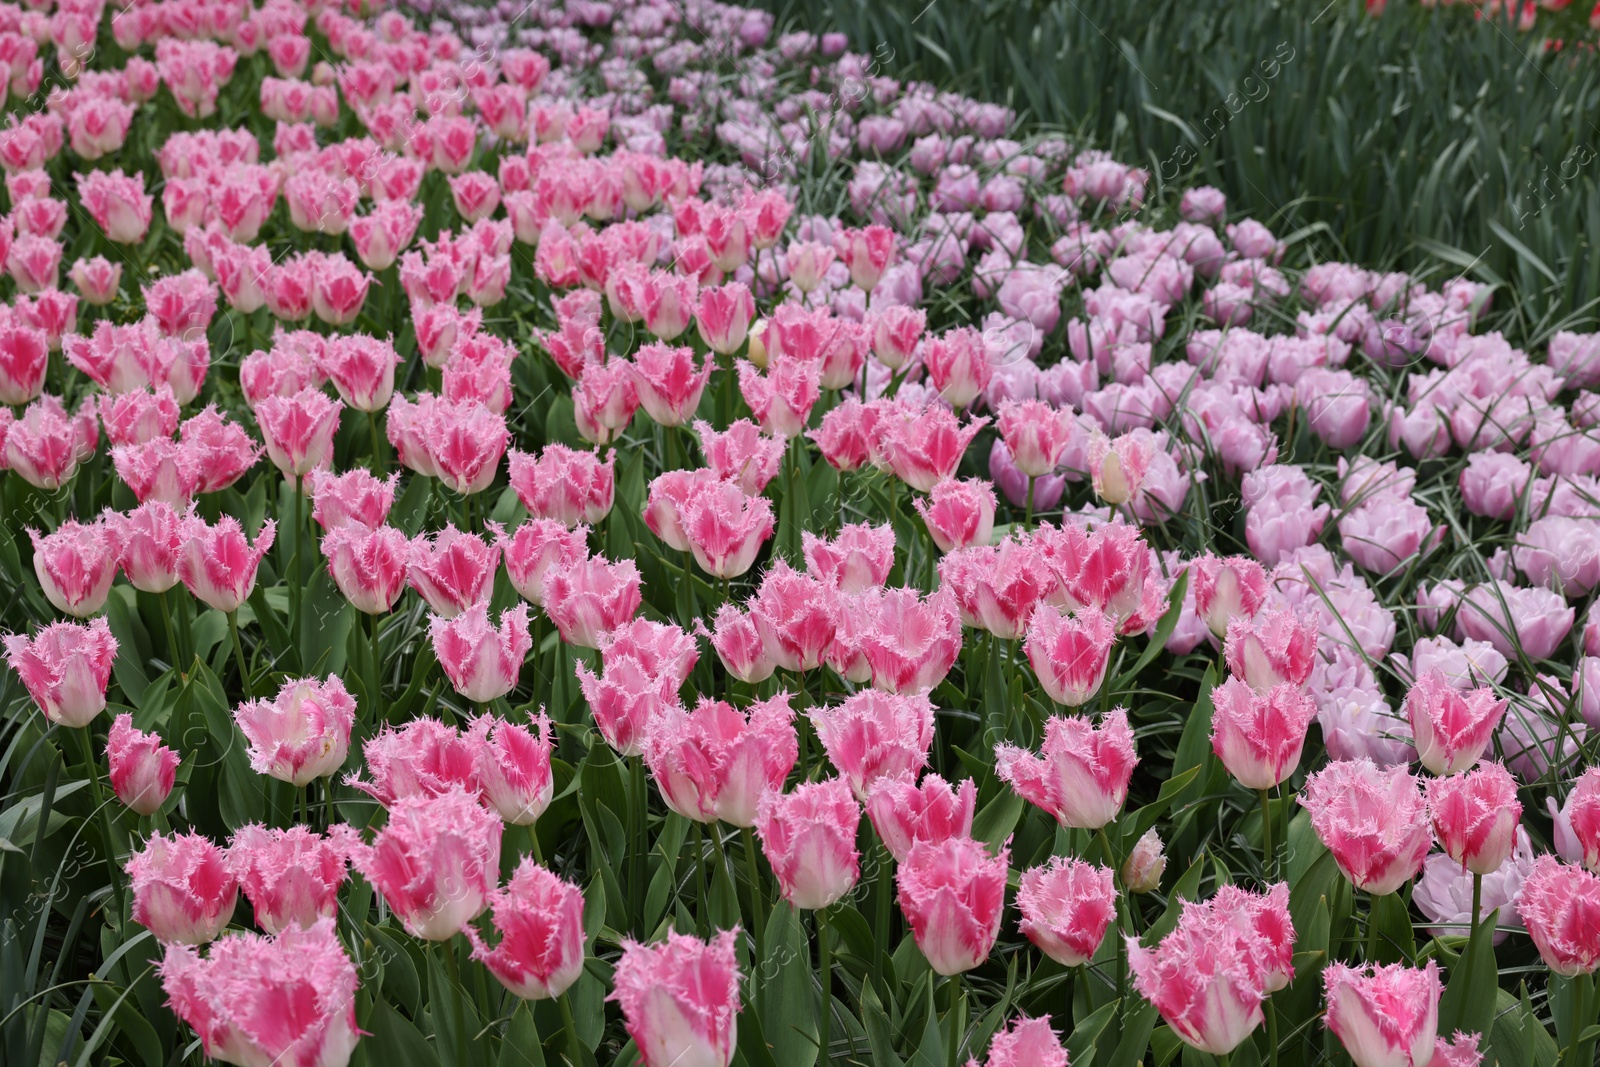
column 142, row 769
column 436, row 861
column 1081, row 773
column 809, row 837
column 680, row 999
column 1070, row 653
column 1067, row 906
column 514, row 769
column 1258, row 734
column 303, row 733
column 1374, row 821
column 481, row 660
column 1452, row 728
column 1475, row 816
column 952, row 894
column 539, row 919
column 65, row 667
column 716, row 761
column 1384, row 1015
column 291, row 877
column 218, row 565
column 183, row 888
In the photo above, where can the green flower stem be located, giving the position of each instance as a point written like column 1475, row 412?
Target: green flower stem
column 758, row 924
column 1269, row 858
column 238, row 654
column 570, row 1025
column 825, row 978
column 92, row 769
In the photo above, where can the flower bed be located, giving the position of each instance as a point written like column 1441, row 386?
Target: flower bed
column 884, row 590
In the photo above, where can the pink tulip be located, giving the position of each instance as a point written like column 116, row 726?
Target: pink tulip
column 75, row 566
column 997, row 588
column 24, row 358
column 1224, row 589
column 1258, row 734
column 604, row 400
column 303, row 733
column 97, row 279
column 912, row 642
column 903, row 812
column 625, row 700
column 226, row 452
column 925, row 448
column 356, row 496
column 452, row 570
column 1475, row 816
column 235, row 998
column 1141, row 871
column 1375, row 822
column 723, row 316
column 1385, row 1016
column 668, row 385
column 1117, row 466
column 724, row 528
column 561, row 483
column 858, row 558
column 716, row 762
column 148, row 541
column 809, row 837
column 845, row 437
column 1581, row 818
column 958, row 513
column 1452, row 728
column 1036, row 433
column 140, row 415
column 482, row 661
column 291, row 877
column 539, row 918
column 45, row 446
column 65, row 667
column 298, row 430
column 218, row 564
column 1558, row 904
column 740, row 646
column 183, row 888
column 1026, row 1043
column 423, row 758
column 867, row 253
column 1081, row 776
column 161, row 469
column 117, row 202
column 958, row 365
column 514, row 769
column 1070, row 653
column 952, row 894
column 1272, row 649
column 1066, row 906
column 362, row 369
column 680, row 999
column 741, row 454
column 435, row 862
column 781, row 399
column 1206, row 978
column 1462, row 1052
column 536, row 549
column 594, row 597
column 142, row 769
column 875, row 735
column 368, row 565
column 464, row 442
column 796, row 616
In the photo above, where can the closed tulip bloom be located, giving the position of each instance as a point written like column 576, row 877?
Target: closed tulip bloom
column 924, row 449
column 668, row 385
column 453, row 570
column 680, row 999
column 539, row 919
column 465, row 443
column 1385, row 1016
column 1560, row 906
column 368, row 565
column 536, row 549
column 958, row 513
column 298, row 430
column 1452, row 728
column 183, row 888
column 958, row 365
column 361, row 368
column 796, row 616
column 604, row 400
column 1117, row 466
column 565, row 484
column 1272, row 649
column 226, row 452
column 514, row 769
column 43, row 447
column 1142, row 870
column 741, row 454
column 716, row 762
column 722, row 315
column 288, row 999
column 65, row 667
column 24, row 358
column 952, row 894
column 1067, row 905
column 1258, row 734
column 138, row 416
column 875, row 735
column 739, row 645
column 858, row 558
column 1374, row 821
column 218, row 564
column 141, row 768
column 423, row 758
column 904, row 812
column 75, row 566
column 303, row 733
column 435, row 862
column 782, row 398
column 625, row 701
column 593, row 598
column 1069, row 653
column 1036, row 433
column 291, row 877
column 1026, row 1043
column 911, row 642
column 809, row 837
column 846, row 437
column 1224, row 589
column 1205, row 978
column 1081, row 774
column 1581, row 816
column 481, row 660
column 725, row 528
column 1475, row 816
